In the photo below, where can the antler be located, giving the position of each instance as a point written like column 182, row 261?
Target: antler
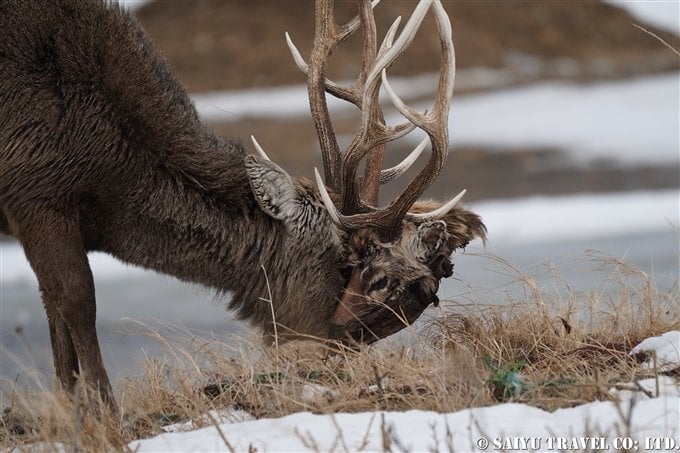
column 327, row 37
column 340, row 169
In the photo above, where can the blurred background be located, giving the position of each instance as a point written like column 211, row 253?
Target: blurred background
column 565, row 129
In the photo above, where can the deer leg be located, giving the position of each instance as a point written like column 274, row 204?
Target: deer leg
column 59, row 260
column 63, row 351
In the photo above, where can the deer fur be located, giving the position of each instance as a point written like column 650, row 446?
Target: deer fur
column 102, row 150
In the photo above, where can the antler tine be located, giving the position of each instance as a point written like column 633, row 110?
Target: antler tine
column 389, row 174
column 435, row 124
column 446, row 77
column 349, row 94
column 259, row 148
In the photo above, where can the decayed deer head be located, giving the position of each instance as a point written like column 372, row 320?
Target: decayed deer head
column 398, row 253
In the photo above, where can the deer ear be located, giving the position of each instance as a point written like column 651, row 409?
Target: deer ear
column 432, row 248
column 429, row 238
column 273, row 188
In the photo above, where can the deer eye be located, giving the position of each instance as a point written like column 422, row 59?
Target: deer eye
column 346, row 274
column 379, row 284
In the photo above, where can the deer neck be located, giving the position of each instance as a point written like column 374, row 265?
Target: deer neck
column 213, row 232
column 197, row 222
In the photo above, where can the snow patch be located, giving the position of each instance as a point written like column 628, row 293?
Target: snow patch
column 631, row 121
column 545, row 219
column 427, row 431
column 663, row 352
column 661, row 14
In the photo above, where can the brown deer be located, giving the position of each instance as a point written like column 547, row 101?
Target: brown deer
column 101, row 149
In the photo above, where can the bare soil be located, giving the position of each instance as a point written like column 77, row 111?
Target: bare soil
column 235, row 44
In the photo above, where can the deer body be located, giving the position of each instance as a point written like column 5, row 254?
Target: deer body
column 101, row 149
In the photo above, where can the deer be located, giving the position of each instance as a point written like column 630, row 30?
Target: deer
column 101, row 149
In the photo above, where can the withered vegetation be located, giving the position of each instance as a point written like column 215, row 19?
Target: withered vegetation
column 551, row 349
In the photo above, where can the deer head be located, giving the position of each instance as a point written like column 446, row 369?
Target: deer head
column 397, row 254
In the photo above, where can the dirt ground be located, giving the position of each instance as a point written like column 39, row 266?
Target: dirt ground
column 234, row 44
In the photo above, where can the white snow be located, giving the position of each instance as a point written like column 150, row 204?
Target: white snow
column 579, row 216
column 555, row 219
column 469, row 430
column 133, row 4
column 664, row 351
column 664, row 14
column 600, row 425
column 14, row 267
column 631, row 121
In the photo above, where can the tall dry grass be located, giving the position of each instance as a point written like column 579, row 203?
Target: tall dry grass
column 546, row 348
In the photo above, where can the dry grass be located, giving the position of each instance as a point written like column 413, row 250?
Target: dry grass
column 547, row 350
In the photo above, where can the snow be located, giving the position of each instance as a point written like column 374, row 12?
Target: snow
column 555, row 219
column 511, row 426
column 630, row 121
column 468, row 430
column 665, row 349
column 664, row 14
column 133, row 4
column 579, row 216
column 14, row 267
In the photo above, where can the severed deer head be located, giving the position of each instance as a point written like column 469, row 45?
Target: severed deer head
column 102, row 149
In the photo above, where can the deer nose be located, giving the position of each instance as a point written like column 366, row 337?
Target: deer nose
column 423, row 295
column 441, row 267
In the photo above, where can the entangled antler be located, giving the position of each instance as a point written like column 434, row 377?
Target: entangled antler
column 359, row 197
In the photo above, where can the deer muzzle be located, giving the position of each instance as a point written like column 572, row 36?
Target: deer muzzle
column 362, row 320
